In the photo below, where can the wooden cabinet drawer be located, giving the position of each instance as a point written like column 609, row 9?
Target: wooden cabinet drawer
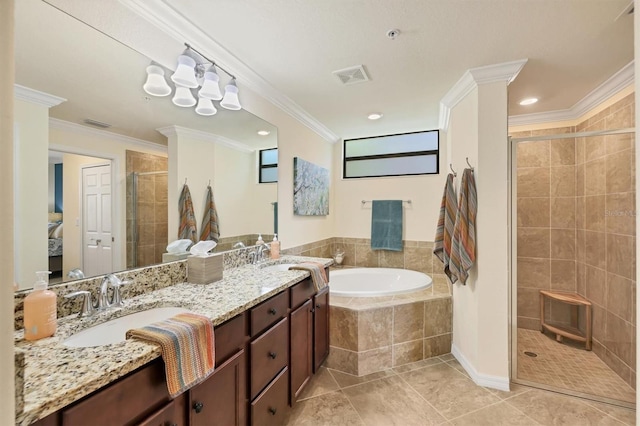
column 268, row 312
column 173, row 414
column 302, row 292
column 270, row 408
column 269, row 354
column 230, row 336
column 126, row 401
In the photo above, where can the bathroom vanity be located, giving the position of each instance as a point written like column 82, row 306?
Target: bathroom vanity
column 267, row 349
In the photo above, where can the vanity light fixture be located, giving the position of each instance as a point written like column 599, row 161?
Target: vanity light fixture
column 374, row 116
column 194, row 70
column 528, row 101
column 264, row 132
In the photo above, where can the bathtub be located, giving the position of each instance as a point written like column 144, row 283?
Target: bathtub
column 369, row 282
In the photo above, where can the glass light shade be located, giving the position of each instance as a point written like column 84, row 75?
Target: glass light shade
column 185, row 74
column 183, row 97
column 156, row 85
column 210, row 87
column 205, row 107
column 230, row 100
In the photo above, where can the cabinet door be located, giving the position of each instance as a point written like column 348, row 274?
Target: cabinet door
column 222, row 398
column 172, row 414
column 320, row 328
column 301, row 362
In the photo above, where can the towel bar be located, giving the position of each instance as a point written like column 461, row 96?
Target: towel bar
column 368, row 201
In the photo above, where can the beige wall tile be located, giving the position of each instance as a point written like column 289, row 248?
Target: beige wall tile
column 599, row 322
column 620, row 297
column 595, row 213
column 533, row 212
column 561, row 313
column 594, row 184
column 619, row 172
column 616, row 143
column 365, row 257
column 343, row 328
column 617, row 365
column 622, row 118
column 375, row 328
column 349, row 254
column 563, row 181
column 594, row 147
column 533, row 154
column 404, row 353
column 408, row 322
column 529, row 302
column 620, row 338
column 534, row 273
column 562, row 152
column 533, row 242
column 438, row 316
column 533, row 182
column 342, row 360
column 374, row 360
column 620, row 213
column 528, row 323
column 581, row 279
column 580, row 181
column 580, row 212
column 596, row 285
column 390, row 259
column 563, row 212
column 563, row 275
column 563, row 244
column 438, row 345
column 580, row 150
column 621, row 255
column 595, row 249
column 418, row 259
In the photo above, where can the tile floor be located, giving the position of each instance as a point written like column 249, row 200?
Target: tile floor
column 568, row 366
column 438, row 391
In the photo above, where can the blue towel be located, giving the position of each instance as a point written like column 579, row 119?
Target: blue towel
column 386, row 225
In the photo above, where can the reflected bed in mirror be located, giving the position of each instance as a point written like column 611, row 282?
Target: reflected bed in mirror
column 100, row 82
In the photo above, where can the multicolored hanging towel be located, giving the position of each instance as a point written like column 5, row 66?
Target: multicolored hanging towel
column 446, row 222
column 463, row 244
column 318, row 274
column 210, row 226
column 187, row 229
column 188, row 349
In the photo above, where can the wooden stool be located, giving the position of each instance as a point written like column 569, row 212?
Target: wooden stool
column 562, row 330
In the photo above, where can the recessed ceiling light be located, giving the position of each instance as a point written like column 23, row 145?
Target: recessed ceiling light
column 528, row 101
column 264, row 132
column 374, row 116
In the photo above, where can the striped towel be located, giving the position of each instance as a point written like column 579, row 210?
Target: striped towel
column 187, row 229
column 318, row 274
column 446, row 222
column 210, row 222
column 463, row 244
column 188, row 349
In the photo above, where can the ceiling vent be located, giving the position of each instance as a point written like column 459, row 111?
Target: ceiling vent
column 352, row 75
column 96, row 123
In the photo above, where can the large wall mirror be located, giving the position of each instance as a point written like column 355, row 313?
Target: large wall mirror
column 127, row 164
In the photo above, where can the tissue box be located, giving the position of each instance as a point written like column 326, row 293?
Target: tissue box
column 172, row 257
column 204, row 270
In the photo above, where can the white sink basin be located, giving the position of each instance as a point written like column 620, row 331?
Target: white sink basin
column 278, row 267
column 114, row 331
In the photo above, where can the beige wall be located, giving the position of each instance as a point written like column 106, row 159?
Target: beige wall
column 420, row 217
column 31, row 197
column 7, row 377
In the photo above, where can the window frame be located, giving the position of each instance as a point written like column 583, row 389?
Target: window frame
column 345, row 160
column 266, row 166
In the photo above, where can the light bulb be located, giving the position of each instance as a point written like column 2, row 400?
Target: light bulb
column 205, row 107
column 183, row 97
column 230, row 100
column 210, row 87
column 185, row 74
column 156, row 85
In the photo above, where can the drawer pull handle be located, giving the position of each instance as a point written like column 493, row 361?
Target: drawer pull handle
column 273, row 355
column 198, row 406
column 273, row 411
column 273, row 311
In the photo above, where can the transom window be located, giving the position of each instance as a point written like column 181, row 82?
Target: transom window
column 268, row 168
column 404, row 154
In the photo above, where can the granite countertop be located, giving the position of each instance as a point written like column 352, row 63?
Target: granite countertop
column 56, row 375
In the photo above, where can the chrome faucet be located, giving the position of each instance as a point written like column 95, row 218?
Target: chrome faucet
column 260, row 252
column 102, row 303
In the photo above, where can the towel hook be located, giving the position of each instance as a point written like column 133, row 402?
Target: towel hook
column 453, row 171
column 467, row 160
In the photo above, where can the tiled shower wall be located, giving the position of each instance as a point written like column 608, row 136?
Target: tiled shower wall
column 576, row 230
column 152, row 223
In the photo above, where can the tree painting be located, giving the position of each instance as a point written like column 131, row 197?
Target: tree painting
column 310, row 189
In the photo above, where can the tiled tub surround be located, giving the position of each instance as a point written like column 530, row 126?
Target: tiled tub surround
column 56, row 375
column 370, row 334
column 576, row 230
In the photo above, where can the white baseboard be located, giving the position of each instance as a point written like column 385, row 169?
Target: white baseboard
column 485, row 380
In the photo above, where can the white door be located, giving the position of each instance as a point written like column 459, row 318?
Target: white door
column 96, row 220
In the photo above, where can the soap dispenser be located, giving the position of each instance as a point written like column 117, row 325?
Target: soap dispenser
column 260, row 240
column 275, row 247
column 40, row 310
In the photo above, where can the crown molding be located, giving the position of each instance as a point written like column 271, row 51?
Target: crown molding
column 68, row 126
column 168, row 19
column 609, row 88
column 204, row 136
column 36, row 97
column 472, row 78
